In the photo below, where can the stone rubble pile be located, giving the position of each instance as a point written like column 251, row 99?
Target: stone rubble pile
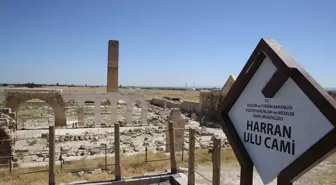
column 7, row 118
column 84, row 172
column 7, row 139
column 133, row 139
column 85, row 137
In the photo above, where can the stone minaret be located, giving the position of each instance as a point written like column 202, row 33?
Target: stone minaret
column 113, row 65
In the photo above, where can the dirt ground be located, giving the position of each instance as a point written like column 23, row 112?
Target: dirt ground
column 322, row 174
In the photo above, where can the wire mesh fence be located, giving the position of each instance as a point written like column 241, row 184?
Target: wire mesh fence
column 122, row 164
column 10, row 157
column 194, row 157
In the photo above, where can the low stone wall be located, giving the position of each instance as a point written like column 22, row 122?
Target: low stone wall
column 158, row 102
column 185, row 106
column 171, row 104
column 162, row 103
column 191, row 107
column 207, row 105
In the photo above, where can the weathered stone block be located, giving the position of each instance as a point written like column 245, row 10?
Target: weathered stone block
column 12, row 115
column 178, row 126
column 193, row 117
column 3, row 122
column 5, row 110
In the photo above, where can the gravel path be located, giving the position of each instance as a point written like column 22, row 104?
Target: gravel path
column 322, row 174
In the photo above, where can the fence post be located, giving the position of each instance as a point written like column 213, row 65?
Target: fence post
column 216, row 159
column 10, row 164
column 11, row 156
column 61, row 158
column 182, row 151
column 172, row 148
column 191, row 159
column 146, row 150
column 51, row 155
column 106, row 157
column 117, row 151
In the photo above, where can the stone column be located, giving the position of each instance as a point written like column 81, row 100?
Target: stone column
column 80, row 114
column 113, row 111
column 178, row 126
column 129, row 112
column 113, row 65
column 97, row 119
column 60, row 119
column 144, row 110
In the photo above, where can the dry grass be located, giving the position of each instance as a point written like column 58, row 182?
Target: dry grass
column 149, row 94
column 131, row 166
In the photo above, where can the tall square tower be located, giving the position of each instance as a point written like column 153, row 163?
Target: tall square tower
column 112, row 66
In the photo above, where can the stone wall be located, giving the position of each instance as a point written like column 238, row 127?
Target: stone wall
column 185, row 106
column 165, row 103
column 207, row 105
column 7, row 118
column 57, row 100
column 16, row 96
column 190, row 107
column 209, row 101
column 5, row 145
column 7, row 127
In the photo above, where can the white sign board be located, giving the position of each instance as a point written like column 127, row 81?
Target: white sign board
column 278, row 130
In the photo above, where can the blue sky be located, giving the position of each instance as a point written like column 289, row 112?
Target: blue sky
column 162, row 43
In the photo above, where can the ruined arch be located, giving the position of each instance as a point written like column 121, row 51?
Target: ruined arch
column 14, row 98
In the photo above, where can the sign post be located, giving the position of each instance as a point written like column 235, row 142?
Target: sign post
column 277, row 117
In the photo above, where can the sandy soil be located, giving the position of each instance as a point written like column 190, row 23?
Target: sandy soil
column 322, row 174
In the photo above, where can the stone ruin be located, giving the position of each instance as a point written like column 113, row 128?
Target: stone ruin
column 7, row 127
column 15, row 97
column 179, row 126
column 210, row 100
column 205, row 109
column 57, row 100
